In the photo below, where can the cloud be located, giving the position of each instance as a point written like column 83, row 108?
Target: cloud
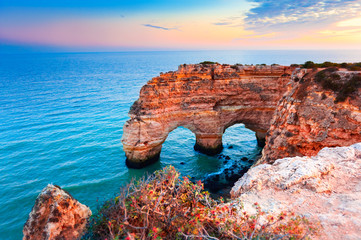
column 270, row 14
column 255, row 36
column 222, row 23
column 354, row 22
column 338, row 32
column 159, row 27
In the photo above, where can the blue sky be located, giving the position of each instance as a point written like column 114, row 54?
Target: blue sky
column 95, row 25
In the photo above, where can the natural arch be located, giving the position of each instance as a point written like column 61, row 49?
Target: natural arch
column 238, row 135
column 206, row 100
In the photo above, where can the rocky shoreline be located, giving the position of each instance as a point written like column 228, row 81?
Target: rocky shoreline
column 325, row 188
column 306, row 118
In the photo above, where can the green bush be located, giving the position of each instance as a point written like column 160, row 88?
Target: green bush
column 207, row 62
column 330, row 80
column 309, row 64
column 348, row 88
column 327, row 64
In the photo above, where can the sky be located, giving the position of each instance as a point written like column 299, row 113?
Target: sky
column 126, row 25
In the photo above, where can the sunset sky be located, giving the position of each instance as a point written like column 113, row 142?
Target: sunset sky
column 117, row 25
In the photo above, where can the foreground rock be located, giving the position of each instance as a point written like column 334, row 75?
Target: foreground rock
column 56, row 215
column 325, row 188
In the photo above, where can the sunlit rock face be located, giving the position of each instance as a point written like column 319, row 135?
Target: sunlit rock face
column 56, row 215
column 325, row 188
column 206, row 99
column 311, row 116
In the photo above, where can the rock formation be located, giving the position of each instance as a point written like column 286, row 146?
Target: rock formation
column 322, row 108
column 303, row 110
column 206, row 99
column 56, row 215
column 324, row 188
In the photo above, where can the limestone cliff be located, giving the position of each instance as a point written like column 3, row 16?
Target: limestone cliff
column 206, row 99
column 324, row 188
column 56, row 215
column 322, row 108
column 303, row 110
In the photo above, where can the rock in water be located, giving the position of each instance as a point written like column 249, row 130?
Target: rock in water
column 56, row 215
column 325, row 188
column 206, row 99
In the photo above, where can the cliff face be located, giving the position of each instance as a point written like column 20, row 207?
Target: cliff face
column 324, row 188
column 320, row 109
column 56, row 215
column 303, row 110
column 206, row 99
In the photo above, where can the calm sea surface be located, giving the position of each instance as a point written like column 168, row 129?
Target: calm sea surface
column 61, row 119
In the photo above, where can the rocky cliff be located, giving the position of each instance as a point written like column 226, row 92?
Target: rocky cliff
column 322, row 108
column 56, row 215
column 302, row 110
column 324, row 188
column 206, row 99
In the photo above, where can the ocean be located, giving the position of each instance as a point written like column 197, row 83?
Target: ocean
column 61, row 119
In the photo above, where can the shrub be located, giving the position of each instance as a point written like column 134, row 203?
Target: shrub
column 328, row 64
column 330, row 80
column 165, row 206
column 309, row 64
column 354, row 68
column 350, row 66
column 207, row 62
column 348, row 88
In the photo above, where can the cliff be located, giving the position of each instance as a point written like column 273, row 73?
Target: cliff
column 324, row 188
column 301, row 110
column 322, row 108
column 206, row 99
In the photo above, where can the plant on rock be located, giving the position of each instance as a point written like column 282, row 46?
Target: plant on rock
column 166, row 206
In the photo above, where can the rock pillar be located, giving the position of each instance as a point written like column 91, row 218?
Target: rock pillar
column 261, row 139
column 142, row 142
column 209, row 144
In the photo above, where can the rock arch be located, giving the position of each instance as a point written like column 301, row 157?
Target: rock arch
column 206, row 99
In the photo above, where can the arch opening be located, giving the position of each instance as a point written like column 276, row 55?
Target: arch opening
column 240, row 151
column 178, row 150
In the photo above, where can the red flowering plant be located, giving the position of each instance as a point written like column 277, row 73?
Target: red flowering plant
column 166, row 206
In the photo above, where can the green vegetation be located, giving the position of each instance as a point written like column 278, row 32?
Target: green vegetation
column 208, row 62
column 166, row 206
column 330, row 80
column 348, row 66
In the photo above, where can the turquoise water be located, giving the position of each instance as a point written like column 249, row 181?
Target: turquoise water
column 61, row 118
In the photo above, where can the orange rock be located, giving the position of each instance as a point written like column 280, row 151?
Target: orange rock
column 56, row 215
column 308, row 119
column 206, row 99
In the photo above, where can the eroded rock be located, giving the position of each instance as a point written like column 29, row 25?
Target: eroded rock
column 309, row 117
column 206, row 99
column 324, row 188
column 56, row 215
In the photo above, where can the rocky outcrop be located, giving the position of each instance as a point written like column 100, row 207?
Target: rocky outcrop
column 206, row 99
column 322, row 108
column 301, row 110
column 56, row 215
column 324, row 188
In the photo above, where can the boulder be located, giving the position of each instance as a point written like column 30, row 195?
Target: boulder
column 325, row 188
column 56, row 215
